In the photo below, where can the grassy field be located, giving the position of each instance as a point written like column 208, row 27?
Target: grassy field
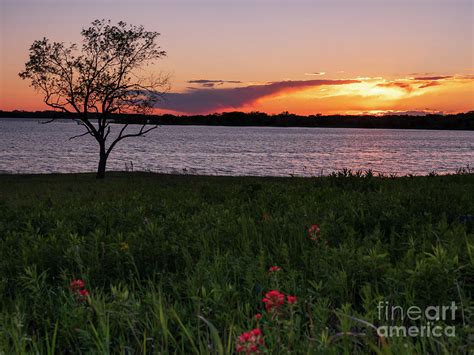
column 180, row 264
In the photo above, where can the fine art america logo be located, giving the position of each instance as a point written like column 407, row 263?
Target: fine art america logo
column 427, row 319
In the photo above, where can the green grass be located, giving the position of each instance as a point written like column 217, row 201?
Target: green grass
column 179, row 264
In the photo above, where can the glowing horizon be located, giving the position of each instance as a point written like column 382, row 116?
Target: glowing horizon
column 305, row 57
column 440, row 94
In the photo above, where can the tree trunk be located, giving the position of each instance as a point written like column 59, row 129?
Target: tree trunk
column 102, row 164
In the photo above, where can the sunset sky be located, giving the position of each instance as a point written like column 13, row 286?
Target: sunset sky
column 306, row 57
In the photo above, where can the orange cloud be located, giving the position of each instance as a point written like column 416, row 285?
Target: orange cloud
column 377, row 95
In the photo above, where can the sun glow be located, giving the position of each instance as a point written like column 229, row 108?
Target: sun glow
column 375, row 96
column 371, row 89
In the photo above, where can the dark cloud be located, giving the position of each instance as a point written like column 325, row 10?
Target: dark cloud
column 204, row 81
column 397, row 84
column 205, row 100
column 432, row 78
column 316, row 73
column 209, row 83
column 428, row 84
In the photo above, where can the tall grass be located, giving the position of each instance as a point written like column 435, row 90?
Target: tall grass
column 179, row 264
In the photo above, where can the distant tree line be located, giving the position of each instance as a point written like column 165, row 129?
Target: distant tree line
column 460, row 121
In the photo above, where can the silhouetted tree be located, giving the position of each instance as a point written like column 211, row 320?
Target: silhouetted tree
column 101, row 79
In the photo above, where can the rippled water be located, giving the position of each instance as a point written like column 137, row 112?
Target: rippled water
column 29, row 147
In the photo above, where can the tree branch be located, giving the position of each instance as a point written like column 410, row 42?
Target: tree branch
column 142, row 132
column 48, row 121
column 80, row 135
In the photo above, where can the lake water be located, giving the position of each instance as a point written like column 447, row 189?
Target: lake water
column 29, row 147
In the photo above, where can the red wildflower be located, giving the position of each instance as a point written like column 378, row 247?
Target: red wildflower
column 274, row 268
column 79, row 290
column 244, row 337
column 76, row 284
column 314, row 232
column 273, row 300
column 250, row 342
column 291, row 299
column 258, row 316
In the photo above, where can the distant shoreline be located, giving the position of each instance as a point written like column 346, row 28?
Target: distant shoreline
column 460, row 121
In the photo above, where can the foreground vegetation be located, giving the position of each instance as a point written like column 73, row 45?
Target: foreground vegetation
column 182, row 264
